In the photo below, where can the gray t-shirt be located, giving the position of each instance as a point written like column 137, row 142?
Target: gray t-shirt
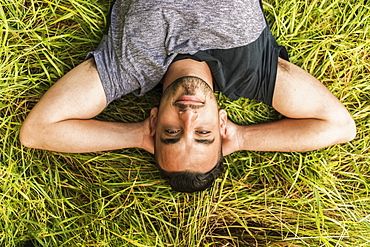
column 145, row 36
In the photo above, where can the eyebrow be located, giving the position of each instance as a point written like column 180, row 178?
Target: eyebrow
column 205, row 141
column 170, row 141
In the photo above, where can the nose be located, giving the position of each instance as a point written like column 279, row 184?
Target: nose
column 188, row 116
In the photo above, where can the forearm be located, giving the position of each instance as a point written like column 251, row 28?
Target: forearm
column 77, row 136
column 289, row 135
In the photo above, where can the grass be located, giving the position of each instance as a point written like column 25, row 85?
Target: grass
column 318, row 198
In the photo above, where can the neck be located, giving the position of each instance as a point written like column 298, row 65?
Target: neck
column 188, row 67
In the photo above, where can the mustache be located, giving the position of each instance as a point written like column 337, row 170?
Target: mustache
column 187, row 106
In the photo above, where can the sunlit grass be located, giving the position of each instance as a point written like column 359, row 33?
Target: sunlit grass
column 319, row 198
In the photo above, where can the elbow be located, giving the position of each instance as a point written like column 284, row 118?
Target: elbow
column 345, row 129
column 25, row 136
column 350, row 130
column 29, row 135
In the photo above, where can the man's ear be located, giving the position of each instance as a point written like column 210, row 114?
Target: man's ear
column 153, row 120
column 223, row 122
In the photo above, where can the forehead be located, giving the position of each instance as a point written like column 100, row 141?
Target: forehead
column 182, row 156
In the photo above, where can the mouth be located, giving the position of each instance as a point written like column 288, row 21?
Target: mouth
column 189, row 100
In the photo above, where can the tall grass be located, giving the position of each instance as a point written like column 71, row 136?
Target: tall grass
column 318, row 198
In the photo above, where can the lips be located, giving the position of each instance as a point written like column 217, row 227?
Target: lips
column 190, row 100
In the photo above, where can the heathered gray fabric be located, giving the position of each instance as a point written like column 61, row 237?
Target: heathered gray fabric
column 146, row 35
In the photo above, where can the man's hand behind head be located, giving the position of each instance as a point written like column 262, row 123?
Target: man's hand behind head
column 147, row 139
column 230, row 142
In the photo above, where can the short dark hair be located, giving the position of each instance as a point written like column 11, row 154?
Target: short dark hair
column 188, row 181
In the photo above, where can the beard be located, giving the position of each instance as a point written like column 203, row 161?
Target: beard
column 190, row 84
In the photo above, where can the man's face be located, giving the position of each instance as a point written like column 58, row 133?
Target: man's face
column 188, row 127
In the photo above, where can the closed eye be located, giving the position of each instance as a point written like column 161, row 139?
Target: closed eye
column 172, row 132
column 203, row 132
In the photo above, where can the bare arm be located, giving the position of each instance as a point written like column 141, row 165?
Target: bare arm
column 62, row 120
column 315, row 118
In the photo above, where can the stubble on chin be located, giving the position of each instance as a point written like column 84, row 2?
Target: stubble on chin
column 190, row 85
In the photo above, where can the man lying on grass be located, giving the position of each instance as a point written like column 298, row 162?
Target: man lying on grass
column 193, row 49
